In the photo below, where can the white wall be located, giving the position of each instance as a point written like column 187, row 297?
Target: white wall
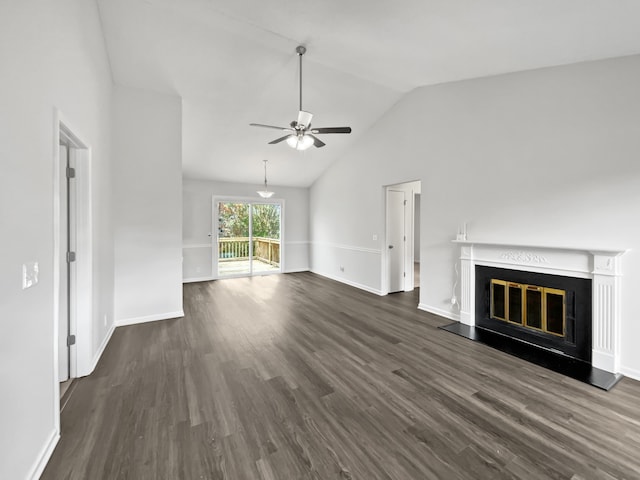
column 51, row 55
column 147, row 205
column 197, row 218
column 547, row 156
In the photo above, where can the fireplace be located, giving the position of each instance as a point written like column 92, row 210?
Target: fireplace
column 551, row 311
column 558, row 299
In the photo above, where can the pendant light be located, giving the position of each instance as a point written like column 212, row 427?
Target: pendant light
column 265, row 193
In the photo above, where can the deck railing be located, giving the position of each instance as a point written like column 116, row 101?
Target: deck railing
column 266, row 250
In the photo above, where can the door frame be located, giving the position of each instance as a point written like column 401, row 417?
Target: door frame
column 410, row 188
column 214, row 231
column 80, row 354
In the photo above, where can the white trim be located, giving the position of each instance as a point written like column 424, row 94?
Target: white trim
column 349, row 282
column 630, row 372
column 298, row 242
column 298, row 270
column 197, row 279
column 579, row 248
column 354, row 248
column 439, row 311
column 198, row 245
column 46, row 452
column 103, row 345
column 149, row 318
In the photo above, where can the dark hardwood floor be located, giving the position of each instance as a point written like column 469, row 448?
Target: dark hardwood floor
column 299, row 377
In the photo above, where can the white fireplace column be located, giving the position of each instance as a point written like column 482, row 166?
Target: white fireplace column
column 467, row 286
column 606, row 311
column 603, row 267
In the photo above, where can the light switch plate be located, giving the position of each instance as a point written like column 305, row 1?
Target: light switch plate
column 29, row 274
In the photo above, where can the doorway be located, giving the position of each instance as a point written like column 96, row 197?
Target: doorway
column 248, row 238
column 72, row 261
column 402, row 237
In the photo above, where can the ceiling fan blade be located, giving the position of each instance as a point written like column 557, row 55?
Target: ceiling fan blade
column 304, row 118
column 316, row 141
column 269, row 126
column 278, row 140
column 331, row 130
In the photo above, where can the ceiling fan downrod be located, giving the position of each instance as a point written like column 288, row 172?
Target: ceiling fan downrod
column 300, row 50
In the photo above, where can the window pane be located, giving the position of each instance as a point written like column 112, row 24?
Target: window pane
column 233, row 239
column 266, row 237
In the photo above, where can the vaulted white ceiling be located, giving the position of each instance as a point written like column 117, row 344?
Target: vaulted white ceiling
column 234, row 62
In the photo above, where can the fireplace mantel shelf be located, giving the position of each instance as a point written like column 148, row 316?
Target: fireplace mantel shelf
column 614, row 252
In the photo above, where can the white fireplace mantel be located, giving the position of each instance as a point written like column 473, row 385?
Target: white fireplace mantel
column 602, row 266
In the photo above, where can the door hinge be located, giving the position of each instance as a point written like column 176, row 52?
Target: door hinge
column 405, row 203
column 71, row 340
column 404, row 238
column 404, row 274
column 71, row 172
column 71, row 257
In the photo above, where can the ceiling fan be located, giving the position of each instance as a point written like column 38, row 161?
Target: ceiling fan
column 300, row 135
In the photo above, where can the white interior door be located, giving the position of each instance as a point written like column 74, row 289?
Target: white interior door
column 68, row 282
column 396, row 239
column 63, row 312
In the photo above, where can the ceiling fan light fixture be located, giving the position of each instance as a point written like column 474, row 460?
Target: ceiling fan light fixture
column 300, row 134
column 300, row 142
column 266, row 193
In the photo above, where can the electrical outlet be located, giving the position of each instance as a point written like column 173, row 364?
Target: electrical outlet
column 29, row 274
column 105, row 319
column 375, row 237
column 341, row 268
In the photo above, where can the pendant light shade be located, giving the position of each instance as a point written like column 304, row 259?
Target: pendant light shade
column 265, row 193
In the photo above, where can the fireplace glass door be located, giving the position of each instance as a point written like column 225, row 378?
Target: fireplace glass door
column 532, row 306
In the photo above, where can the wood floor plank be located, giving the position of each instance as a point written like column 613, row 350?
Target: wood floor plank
column 298, row 377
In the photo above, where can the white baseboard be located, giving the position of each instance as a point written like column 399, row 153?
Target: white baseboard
column 149, row 318
column 209, row 279
column 630, row 372
column 350, row 283
column 197, row 279
column 439, row 311
column 103, row 345
column 45, row 455
column 299, row 270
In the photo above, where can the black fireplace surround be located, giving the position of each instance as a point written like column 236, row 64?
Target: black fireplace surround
column 575, row 343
